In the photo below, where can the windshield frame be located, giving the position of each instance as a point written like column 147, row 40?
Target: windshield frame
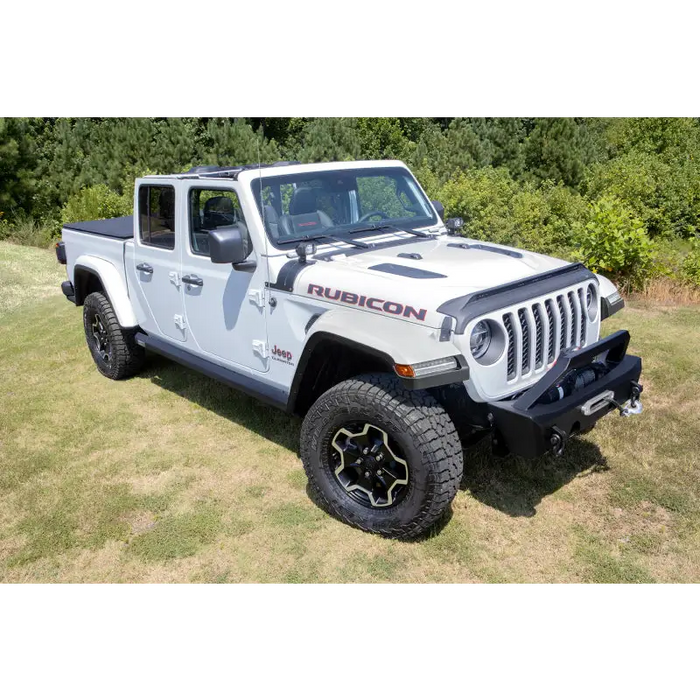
column 345, row 230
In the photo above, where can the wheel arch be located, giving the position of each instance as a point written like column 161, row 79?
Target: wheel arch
column 92, row 274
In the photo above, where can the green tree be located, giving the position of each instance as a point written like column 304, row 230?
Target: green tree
column 234, row 142
column 17, row 167
column 558, row 150
column 328, row 139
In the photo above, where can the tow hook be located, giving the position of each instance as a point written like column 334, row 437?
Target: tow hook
column 557, row 442
column 634, row 406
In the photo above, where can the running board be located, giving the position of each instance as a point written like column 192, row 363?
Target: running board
column 253, row 387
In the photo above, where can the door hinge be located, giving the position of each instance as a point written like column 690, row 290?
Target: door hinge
column 257, row 296
column 180, row 322
column 260, row 348
column 175, row 278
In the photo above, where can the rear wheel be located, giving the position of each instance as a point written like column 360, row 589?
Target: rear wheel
column 381, row 457
column 114, row 349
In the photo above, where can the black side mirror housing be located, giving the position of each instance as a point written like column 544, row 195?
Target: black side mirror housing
column 439, row 209
column 228, row 244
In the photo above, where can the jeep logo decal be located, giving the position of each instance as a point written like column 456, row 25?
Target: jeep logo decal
column 388, row 307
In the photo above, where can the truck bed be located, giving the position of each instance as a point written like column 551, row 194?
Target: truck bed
column 121, row 227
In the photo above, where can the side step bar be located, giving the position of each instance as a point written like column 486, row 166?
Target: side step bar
column 253, row 387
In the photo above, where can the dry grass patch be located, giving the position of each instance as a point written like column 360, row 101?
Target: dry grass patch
column 171, row 477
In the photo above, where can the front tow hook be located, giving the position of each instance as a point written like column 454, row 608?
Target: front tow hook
column 633, row 407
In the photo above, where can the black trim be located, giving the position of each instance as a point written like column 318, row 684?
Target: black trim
column 459, row 375
column 68, row 290
column 445, row 329
column 607, row 309
column 80, row 282
column 61, row 252
column 412, row 256
column 309, row 349
column 489, row 248
column 464, row 309
column 288, row 274
column 403, row 271
column 121, row 227
column 253, row 387
column 526, row 427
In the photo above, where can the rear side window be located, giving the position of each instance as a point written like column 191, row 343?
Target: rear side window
column 157, row 215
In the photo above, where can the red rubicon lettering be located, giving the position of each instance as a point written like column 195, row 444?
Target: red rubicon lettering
column 391, row 307
column 419, row 314
column 388, row 307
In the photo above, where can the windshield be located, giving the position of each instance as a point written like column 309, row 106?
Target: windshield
column 337, row 202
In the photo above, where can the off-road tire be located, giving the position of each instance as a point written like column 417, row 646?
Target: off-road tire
column 126, row 357
column 422, row 430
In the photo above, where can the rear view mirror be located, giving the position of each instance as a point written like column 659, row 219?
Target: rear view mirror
column 228, row 244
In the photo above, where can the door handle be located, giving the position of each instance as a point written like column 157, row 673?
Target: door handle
column 193, row 280
column 145, row 267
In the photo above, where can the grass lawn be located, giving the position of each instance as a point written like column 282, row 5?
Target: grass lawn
column 171, row 477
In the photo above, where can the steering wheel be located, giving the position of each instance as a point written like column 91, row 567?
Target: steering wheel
column 370, row 214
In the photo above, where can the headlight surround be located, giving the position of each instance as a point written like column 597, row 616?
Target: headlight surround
column 480, row 339
column 592, row 302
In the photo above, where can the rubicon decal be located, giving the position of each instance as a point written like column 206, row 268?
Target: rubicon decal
column 374, row 303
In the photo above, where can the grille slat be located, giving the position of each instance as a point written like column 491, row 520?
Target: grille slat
column 538, row 333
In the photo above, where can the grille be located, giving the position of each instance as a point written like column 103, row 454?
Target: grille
column 538, row 333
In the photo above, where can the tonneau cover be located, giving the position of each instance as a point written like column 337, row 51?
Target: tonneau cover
column 121, row 227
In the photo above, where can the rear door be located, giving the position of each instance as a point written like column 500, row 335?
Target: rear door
column 224, row 304
column 157, row 250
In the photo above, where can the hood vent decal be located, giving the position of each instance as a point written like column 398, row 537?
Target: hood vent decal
column 403, row 271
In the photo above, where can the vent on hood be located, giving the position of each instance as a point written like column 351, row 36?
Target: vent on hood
column 404, row 271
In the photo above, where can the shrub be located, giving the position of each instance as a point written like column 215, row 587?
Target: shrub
column 497, row 208
column 27, row 231
column 666, row 197
column 96, row 202
column 690, row 267
column 615, row 242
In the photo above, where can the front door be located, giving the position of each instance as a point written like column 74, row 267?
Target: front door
column 157, row 262
column 224, row 305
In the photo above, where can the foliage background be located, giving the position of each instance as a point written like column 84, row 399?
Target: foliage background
column 622, row 195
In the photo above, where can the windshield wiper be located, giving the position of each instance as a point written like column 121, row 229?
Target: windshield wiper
column 339, row 239
column 384, row 227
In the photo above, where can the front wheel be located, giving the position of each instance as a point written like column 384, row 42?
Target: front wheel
column 114, row 349
column 381, row 457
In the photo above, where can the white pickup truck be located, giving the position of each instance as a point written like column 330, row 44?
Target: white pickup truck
column 335, row 291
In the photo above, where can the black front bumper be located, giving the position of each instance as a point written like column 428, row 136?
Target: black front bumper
column 525, row 426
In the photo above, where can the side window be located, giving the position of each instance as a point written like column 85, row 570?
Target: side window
column 212, row 209
column 157, row 215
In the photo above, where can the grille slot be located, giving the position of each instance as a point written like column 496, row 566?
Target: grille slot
column 538, row 336
column 551, row 347
column 538, row 333
column 508, row 323
column 525, row 362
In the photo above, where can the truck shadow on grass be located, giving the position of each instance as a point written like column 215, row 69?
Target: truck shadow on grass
column 516, row 486
column 510, row 484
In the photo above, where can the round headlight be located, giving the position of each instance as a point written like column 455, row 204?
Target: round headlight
column 480, row 339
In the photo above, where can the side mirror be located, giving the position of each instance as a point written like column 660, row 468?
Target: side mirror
column 228, row 244
column 439, row 209
column 453, row 225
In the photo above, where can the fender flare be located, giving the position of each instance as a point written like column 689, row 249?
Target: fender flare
column 408, row 343
column 113, row 283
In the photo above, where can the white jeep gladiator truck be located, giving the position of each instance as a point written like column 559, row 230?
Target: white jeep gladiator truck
column 336, row 292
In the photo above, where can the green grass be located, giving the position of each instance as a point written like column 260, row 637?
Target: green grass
column 171, row 477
